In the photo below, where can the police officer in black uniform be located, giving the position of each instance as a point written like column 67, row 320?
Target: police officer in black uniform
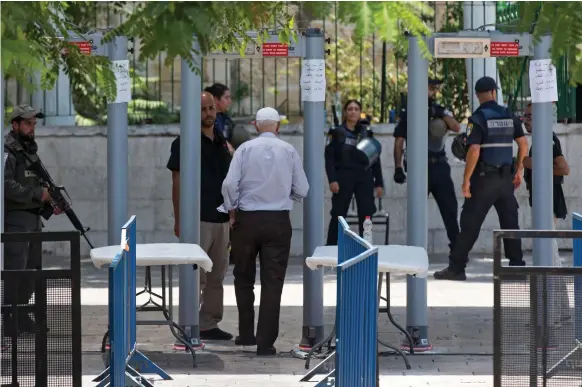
column 24, row 199
column 490, row 178
column 223, row 123
column 348, row 170
column 440, row 183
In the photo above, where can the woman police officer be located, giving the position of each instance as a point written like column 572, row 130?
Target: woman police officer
column 349, row 171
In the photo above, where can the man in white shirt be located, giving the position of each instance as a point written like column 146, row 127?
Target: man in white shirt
column 264, row 178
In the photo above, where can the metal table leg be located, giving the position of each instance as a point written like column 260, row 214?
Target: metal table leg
column 389, row 313
column 148, row 289
column 169, row 315
column 166, row 309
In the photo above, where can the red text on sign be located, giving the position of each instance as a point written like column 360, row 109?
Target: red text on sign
column 84, row 47
column 504, row 49
column 275, row 49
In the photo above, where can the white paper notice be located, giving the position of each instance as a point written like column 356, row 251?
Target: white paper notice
column 313, row 80
column 543, row 81
column 123, row 80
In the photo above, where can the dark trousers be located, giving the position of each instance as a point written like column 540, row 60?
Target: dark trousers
column 440, row 185
column 20, row 256
column 353, row 182
column 268, row 234
column 493, row 190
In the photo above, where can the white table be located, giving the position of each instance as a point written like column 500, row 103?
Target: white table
column 158, row 254
column 392, row 259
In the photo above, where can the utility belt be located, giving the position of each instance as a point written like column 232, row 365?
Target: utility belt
column 437, row 159
column 485, row 169
column 353, row 167
column 431, row 160
column 34, row 211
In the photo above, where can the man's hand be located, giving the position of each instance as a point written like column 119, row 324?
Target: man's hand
column 517, row 180
column 467, row 189
column 177, row 229
column 334, row 187
column 527, row 162
column 231, row 218
column 45, row 196
column 399, row 176
column 57, row 211
column 438, row 111
column 379, row 192
column 230, row 148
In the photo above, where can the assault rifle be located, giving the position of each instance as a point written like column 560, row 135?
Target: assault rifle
column 59, row 198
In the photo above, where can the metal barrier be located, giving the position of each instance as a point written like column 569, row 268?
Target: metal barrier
column 537, row 334
column 356, row 353
column 122, row 319
column 41, row 313
column 357, row 310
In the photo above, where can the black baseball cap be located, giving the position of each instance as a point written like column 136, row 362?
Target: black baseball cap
column 435, row 82
column 485, row 84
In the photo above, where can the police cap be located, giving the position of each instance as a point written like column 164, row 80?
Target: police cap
column 24, row 111
column 485, row 84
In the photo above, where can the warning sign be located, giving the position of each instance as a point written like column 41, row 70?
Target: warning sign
column 504, row 49
column 84, row 47
column 275, row 49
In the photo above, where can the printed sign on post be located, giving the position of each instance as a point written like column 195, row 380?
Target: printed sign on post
column 122, row 80
column 543, row 81
column 504, row 49
column 275, row 49
column 84, row 47
column 313, row 80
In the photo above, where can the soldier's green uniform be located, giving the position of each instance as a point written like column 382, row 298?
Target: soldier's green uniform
column 23, row 204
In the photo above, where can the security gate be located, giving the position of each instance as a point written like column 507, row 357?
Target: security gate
column 537, row 319
column 41, row 339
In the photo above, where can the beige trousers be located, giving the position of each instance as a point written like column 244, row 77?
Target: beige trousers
column 214, row 239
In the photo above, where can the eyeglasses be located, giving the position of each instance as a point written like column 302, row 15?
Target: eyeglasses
column 527, row 116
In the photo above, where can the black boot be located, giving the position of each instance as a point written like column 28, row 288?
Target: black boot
column 450, row 274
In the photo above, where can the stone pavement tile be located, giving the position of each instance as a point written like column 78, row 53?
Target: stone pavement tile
column 247, row 370
column 452, row 330
column 460, row 314
column 293, row 381
column 460, row 323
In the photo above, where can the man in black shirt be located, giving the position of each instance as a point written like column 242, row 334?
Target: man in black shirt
column 214, row 226
column 561, row 169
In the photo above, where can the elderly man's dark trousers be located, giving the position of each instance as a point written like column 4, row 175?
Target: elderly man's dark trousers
column 486, row 192
column 20, row 256
column 268, row 234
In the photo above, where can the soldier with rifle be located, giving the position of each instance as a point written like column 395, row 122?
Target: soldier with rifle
column 29, row 193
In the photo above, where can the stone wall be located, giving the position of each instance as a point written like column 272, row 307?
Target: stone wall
column 77, row 159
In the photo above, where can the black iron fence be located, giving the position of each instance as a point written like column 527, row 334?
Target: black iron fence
column 41, row 335
column 537, row 319
column 364, row 68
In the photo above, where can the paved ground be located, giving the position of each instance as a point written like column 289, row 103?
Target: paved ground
column 460, row 319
